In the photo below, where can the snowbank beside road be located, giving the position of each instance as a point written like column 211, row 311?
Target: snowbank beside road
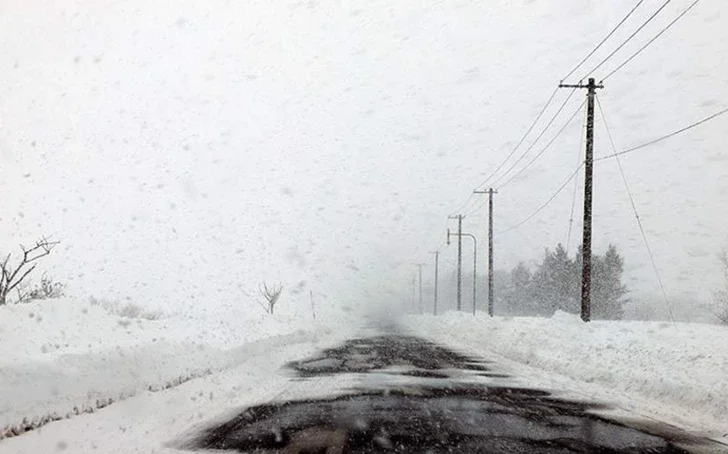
column 64, row 357
column 679, row 366
column 44, row 329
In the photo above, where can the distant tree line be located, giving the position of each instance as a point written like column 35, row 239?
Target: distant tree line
column 555, row 284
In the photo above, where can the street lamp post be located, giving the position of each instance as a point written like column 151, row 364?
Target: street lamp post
column 475, row 265
column 475, row 262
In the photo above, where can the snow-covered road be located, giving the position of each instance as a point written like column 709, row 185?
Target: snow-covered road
column 407, row 394
column 371, row 384
column 153, row 382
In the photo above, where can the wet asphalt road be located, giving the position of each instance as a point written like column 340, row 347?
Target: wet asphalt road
column 416, row 396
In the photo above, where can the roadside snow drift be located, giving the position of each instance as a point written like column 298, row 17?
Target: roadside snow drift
column 673, row 370
column 65, row 357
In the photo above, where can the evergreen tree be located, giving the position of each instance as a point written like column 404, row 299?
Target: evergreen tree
column 519, row 296
column 554, row 283
column 607, row 294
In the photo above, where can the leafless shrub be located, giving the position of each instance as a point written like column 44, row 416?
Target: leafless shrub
column 271, row 296
column 11, row 276
column 126, row 310
column 131, row 310
column 46, row 289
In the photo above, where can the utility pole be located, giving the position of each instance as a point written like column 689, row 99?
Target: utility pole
column 437, row 266
column 586, row 254
column 419, row 266
column 459, row 217
column 413, row 293
column 490, row 193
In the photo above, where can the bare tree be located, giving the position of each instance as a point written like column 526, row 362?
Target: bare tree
column 12, row 276
column 271, row 296
column 719, row 306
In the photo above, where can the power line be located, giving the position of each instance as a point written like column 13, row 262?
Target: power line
column 439, row 246
column 576, row 184
column 653, row 39
column 568, row 122
column 476, row 208
column 636, row 214
column 628, row 39
column 533, row 144
column 660, row 139
column 462, row 207
column 520, row 142
column 603, row 41
column 561, row 188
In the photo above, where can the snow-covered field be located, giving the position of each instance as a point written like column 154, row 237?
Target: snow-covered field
column 675, row 372
column 63, row 357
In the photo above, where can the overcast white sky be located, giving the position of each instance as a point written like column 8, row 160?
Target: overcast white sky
column 186, row 151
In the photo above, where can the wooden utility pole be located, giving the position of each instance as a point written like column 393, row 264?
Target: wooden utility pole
column 437, row 266
column 459, row 217
column 586, row 254
column 419, row 266
column 490, row 192
column 413, row 293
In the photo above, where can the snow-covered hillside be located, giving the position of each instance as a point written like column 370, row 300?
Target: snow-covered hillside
column 187, row 151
